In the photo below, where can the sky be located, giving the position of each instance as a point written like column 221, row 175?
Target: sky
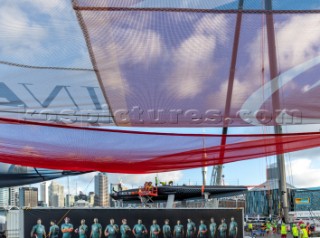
column 37, row 21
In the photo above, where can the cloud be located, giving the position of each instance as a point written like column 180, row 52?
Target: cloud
column 37, row 32
column 305, row 173
column 193, row 64
column 136, row 180
column 85, row 182
column 200, row 4
column 294, row 48
column 49, row 7
column 22, row 36
column 309, row 154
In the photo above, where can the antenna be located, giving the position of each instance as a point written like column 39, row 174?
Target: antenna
column 68, row 185
column 204, row 157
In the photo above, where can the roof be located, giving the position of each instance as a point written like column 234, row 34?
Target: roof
column 270, row 185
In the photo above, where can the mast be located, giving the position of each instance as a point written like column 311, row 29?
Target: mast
column 275, row 105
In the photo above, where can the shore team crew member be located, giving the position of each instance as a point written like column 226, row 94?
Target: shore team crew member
column 139, row 229
column 191, row 229
column 303, row 231
column 223, row 229
column 154, row 229
column 213, row 228
column 111, row 229
column 53, row 230
column 295, row 231
column 124, row 229
column 283, row 230
column 166, row 229
column 83, row 229
column 38, row 230
column 96, row 229
column 178, row 231
column 233, row 228
column 66, row 228
column 202, row 233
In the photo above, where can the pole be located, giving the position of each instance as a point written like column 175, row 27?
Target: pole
column 275, row 104
column 204, row 158
column 204, row 175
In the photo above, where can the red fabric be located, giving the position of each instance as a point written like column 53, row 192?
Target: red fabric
column 82, row 149
column 168, row 67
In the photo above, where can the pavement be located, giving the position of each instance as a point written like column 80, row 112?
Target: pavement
column 247, row 235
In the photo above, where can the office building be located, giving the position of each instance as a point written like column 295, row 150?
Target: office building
column 101, row 190
column 28, row 197
column 44, row 193
column 14, row 196
column 56, row 195
column 4, row 197
column 91, row 198
column 69, row 200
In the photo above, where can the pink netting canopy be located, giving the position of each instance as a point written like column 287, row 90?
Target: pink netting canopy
column 70, row 68
column 167, row 65
column 72, row 148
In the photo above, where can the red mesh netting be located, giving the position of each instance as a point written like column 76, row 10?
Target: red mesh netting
column 65, row 147
column 150, row 63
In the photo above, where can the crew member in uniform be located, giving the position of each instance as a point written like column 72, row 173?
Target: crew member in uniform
column 222, row 229
column 111, row 229
column 38, row 230
column 125, row 229
column 83, row 229
column 191, row 229
column 53, row 230
column 166, row 229
column 154, row 229
column 66, row 228
column 202, row 233
column 139, row 230
column 213, row 228
column 233, row 228
column 96, row 229
column 178, row 231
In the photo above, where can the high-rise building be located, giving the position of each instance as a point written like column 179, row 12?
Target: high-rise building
column 91, row 198
column 44, row 193
column 101, row 190
column 4, row 197
column 14, row 196
column 69, row 200
column 56, row 195
column 28, row 197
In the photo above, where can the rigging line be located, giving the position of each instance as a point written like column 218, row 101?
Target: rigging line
column 89, row 183
column 43, row 67
column 56, row 114
column 92, row 54
column 63, row 216
column 95, row 114
column 39, row 174
column 198, row 10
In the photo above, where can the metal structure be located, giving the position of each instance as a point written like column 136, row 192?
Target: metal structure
column 274, row 72
column 146, row 194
